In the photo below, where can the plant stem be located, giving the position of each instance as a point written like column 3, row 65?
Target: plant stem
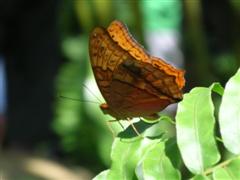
column 222, row 164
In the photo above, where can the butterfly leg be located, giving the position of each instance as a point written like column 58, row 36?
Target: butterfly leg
column 134, row 128
column 121, row 125
column 110, row 127
column 116, row 120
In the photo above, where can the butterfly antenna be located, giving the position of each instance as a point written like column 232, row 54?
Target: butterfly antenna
column 89, row 90
column 75, row 99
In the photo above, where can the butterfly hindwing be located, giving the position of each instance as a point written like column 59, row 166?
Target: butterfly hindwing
column 133, row 83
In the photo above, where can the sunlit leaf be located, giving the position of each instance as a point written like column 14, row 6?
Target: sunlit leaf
column 229, row 115
column 125, row 155
column 102, row 175
column 156, row 165
column 128, row 149
column 230, row 171
column 195, row 130
column 200, row 177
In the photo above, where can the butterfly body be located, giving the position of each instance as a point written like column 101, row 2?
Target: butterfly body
column 133, row 83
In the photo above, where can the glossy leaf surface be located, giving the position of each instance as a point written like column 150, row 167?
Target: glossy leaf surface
column 195, row 130
column 229, row 115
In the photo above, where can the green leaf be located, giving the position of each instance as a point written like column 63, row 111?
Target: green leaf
column 200, row 177
column 125, row 156
column 217, row 88
column 195, row 130
column 156, row 165
column 128, row 149
column 102, row 175
column 230, row 171
column 129, row 132
column 229, row 115
column 173, row 152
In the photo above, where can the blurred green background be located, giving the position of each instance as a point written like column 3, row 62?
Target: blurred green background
column 48, row 42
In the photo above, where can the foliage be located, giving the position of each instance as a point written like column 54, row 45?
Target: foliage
column 81, row 126
column 156, row 155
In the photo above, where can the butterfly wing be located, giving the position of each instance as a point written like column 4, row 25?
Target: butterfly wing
column 158, row 79
column 105, row 56
column 133, row 96
column 133, row 83
column 165, row 78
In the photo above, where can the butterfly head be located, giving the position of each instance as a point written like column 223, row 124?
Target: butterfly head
column 107, row 110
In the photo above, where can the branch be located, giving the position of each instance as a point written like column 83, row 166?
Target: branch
column 222, row 164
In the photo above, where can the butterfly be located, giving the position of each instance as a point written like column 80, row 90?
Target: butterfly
column 132, row 82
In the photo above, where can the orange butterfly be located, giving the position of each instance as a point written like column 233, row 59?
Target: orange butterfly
column 133, row 83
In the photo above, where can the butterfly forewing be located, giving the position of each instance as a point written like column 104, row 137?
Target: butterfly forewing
column 133, row 83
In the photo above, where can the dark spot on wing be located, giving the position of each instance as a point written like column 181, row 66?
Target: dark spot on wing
column 132, row 68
